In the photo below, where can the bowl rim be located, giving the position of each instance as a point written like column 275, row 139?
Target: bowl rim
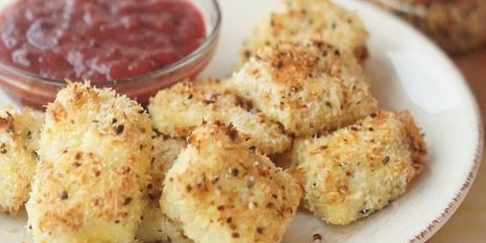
column 188, row 59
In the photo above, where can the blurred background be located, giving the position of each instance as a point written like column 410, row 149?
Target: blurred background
column 458, row 27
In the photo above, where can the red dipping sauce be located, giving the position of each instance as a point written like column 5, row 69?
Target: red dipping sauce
column 98, row 39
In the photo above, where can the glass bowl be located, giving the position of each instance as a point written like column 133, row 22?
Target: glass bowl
column 458, row 26
column 35, row 91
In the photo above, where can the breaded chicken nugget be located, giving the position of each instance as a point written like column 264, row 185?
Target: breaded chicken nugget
column 305, row 86
column 221, row 192
column 95, row 152
column 19, row 139
column 155, row 226
column 180, row 109
column 296, row 20
column 359, row 169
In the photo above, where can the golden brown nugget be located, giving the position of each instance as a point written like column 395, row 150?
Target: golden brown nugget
column 180, row 109
column 297, row 20
column 221, row 192
column 307, row 87
column 155, row 226
column 95, row 152
column 359, row 169
column 19, row 139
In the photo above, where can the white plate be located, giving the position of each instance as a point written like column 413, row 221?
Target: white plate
column 407, row 72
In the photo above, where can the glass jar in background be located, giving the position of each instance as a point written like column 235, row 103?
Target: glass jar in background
column 458, row 26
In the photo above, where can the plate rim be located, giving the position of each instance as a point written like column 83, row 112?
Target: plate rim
column 436, row 224
column 439, row 221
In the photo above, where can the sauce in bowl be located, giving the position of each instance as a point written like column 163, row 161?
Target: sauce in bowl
column 98, row 40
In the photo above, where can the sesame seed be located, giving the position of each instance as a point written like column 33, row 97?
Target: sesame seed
column 386, row 160
column 233, row 171
column 119, row 129
column 64, row 195
column 127, row 201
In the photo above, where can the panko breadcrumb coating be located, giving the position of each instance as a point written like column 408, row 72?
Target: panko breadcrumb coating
column 19, row 139
column 222, row 192
column 95, row 152
column 180, row 109
column 155, row 226
column 308, row 87
column 359, row 169
column 296, row 20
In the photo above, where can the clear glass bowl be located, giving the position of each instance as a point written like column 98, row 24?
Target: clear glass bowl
column 458, row 26
column 32, row 90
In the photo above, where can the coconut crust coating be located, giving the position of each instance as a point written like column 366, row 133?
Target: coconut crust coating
column 95, row 152
column 307, row 87
column 222, row 192
column 359, row 169
column 155, row 226
column 19, row 139
column 180, row 109
column 296, row 20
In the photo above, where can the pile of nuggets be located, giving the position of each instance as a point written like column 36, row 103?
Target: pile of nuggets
column 213, row 161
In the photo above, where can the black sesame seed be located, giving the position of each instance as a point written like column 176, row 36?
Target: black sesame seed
column 127, row 201
column 119, row 129
column 386, row 160
column 317, row 237
column 232, row 134
column 234, row 172
column 64, row 195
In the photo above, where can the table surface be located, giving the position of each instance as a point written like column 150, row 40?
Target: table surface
column 468, row 224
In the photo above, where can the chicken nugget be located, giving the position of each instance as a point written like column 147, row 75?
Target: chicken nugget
column 357, row 170
column 296, row 20
column 19, row 140
column 307, row 87
column 180, row 109
column 155, row 226
column 222, row 192
column 95, row 152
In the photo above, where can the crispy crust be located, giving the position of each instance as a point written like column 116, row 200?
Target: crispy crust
column 296, row 20
column 19, row 139
column 155, row 226
column 309, row 87
column 94, row 160
column 357, row 170
column 222, row 192
column 180, row 109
